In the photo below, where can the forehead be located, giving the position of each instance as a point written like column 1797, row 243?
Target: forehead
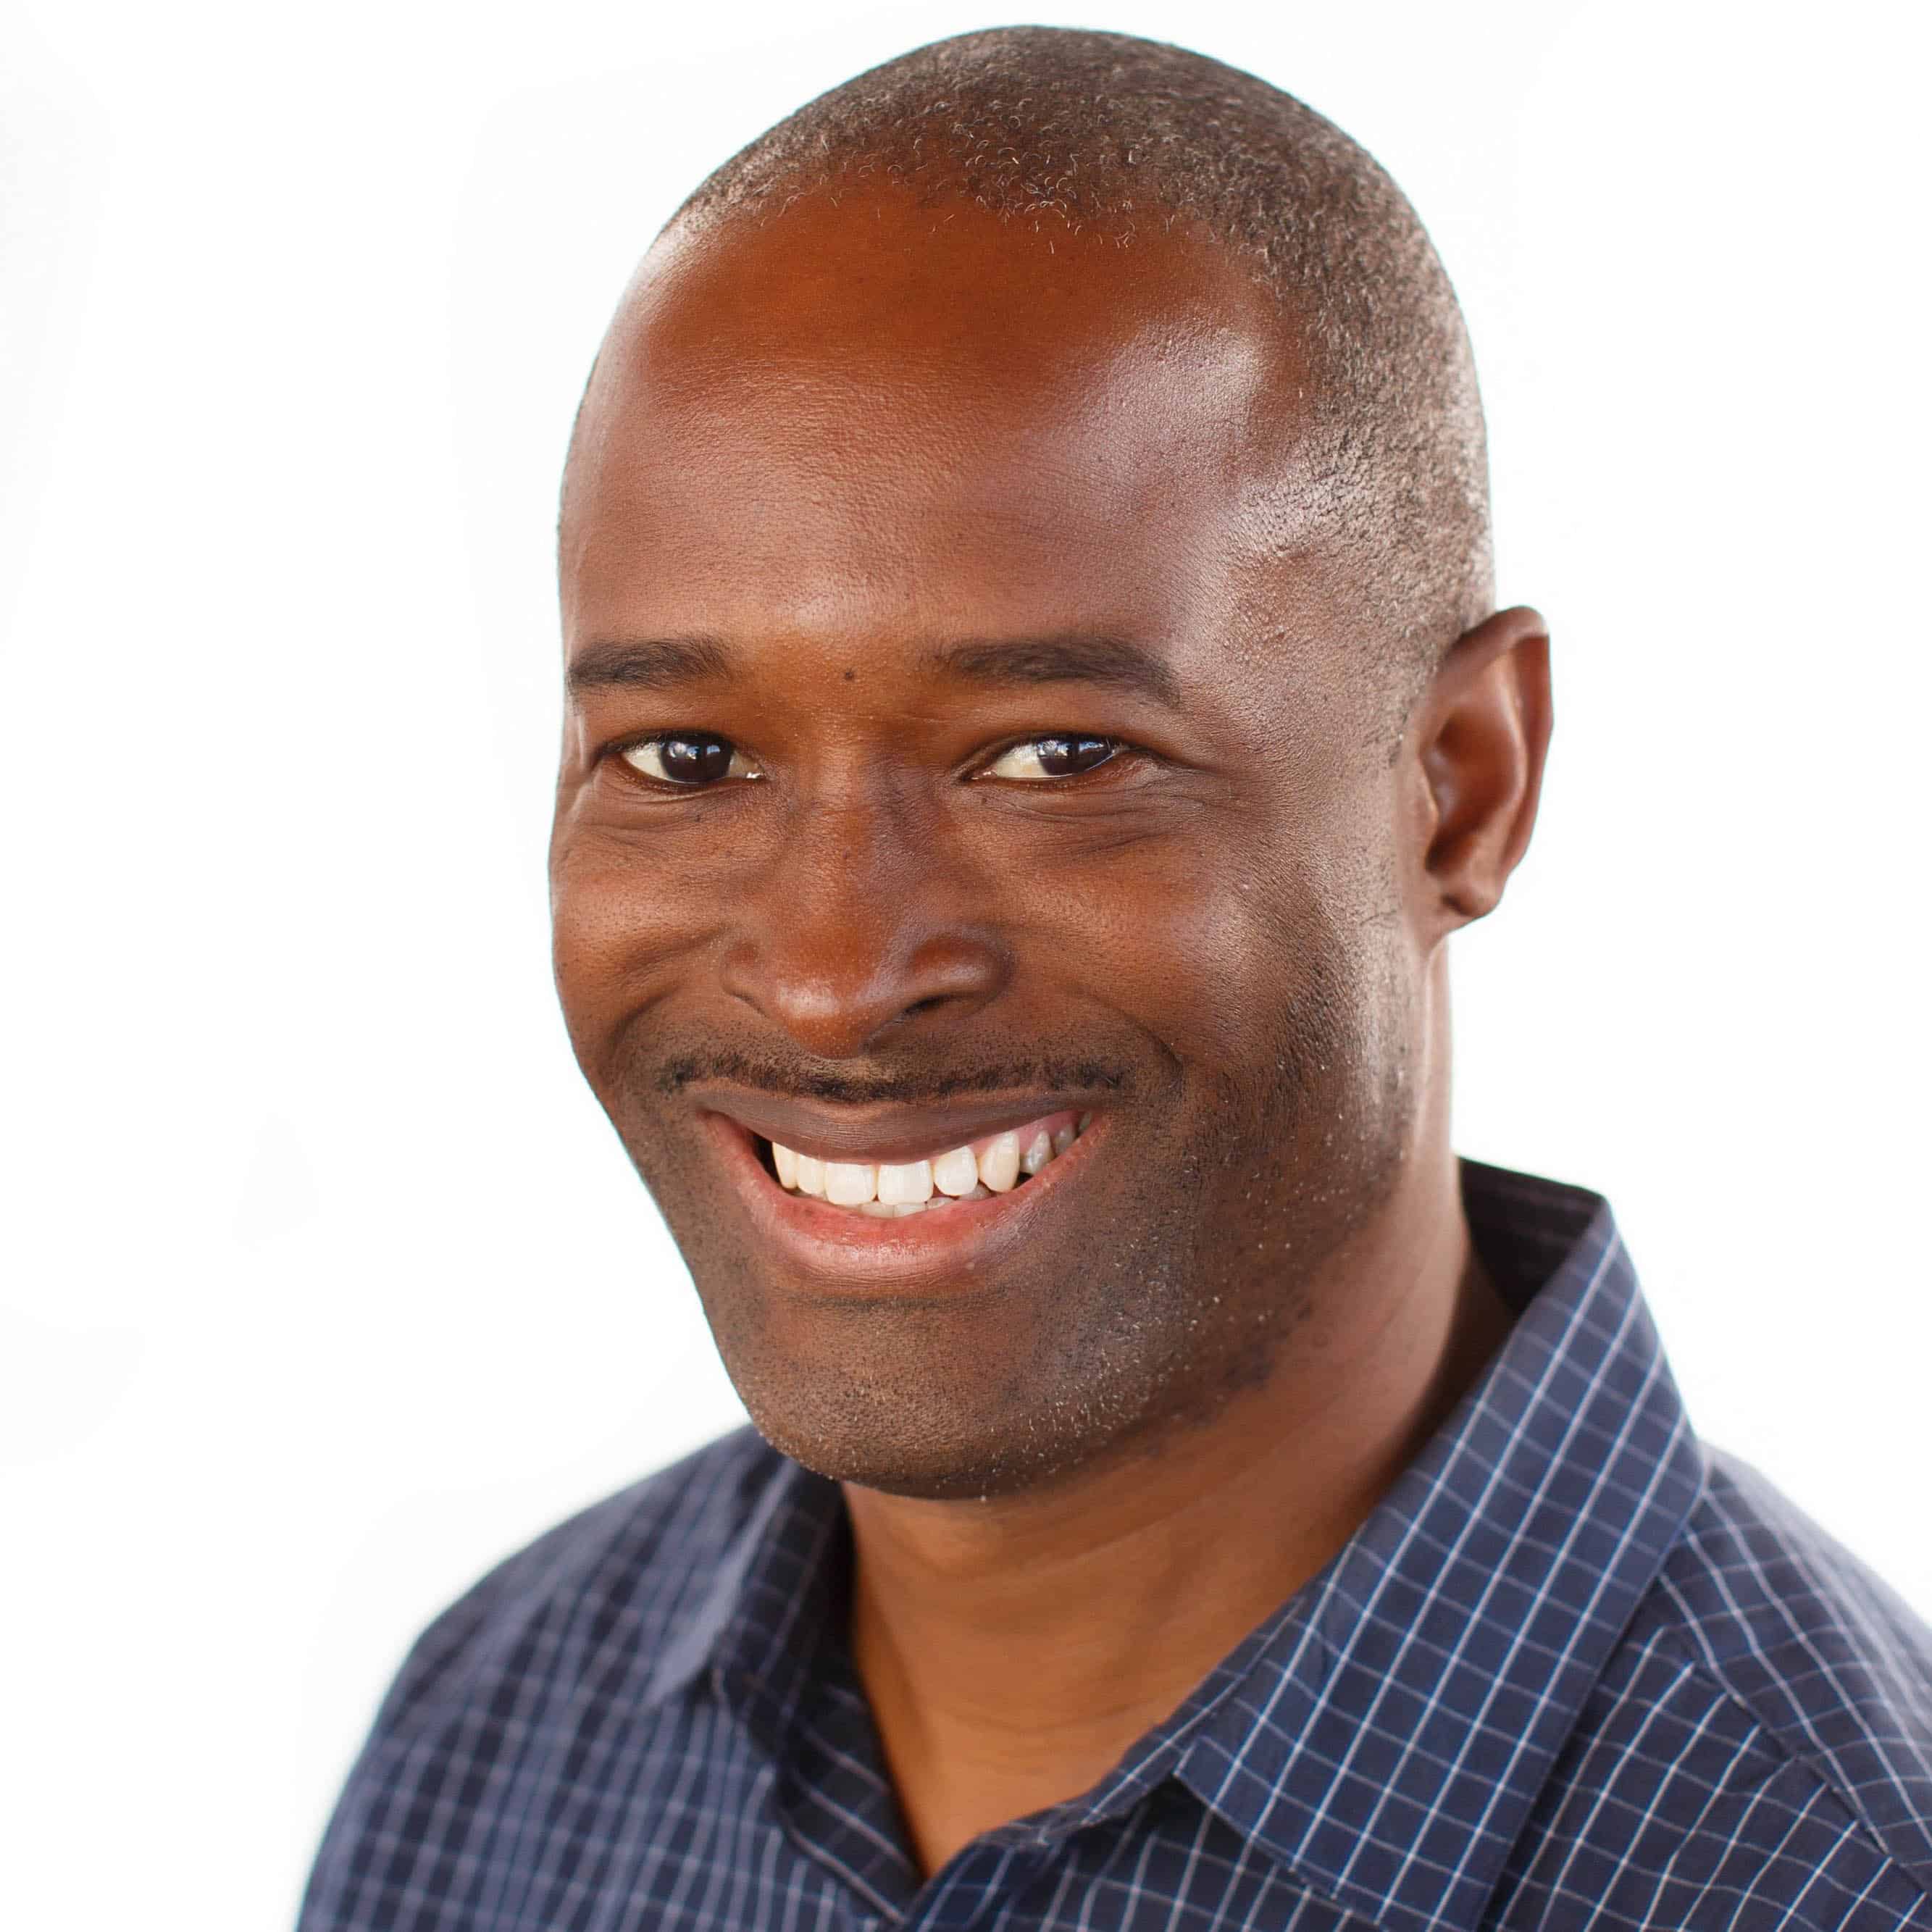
column 869, row 409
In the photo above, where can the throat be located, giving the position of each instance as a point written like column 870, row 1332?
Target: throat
column 1003, row 1731
column 1014, row 1651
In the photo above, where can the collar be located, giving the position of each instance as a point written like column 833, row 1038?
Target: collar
column 1385, row 1734
column 776, row 1596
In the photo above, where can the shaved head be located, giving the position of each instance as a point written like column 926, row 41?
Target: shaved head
column 1105, row 140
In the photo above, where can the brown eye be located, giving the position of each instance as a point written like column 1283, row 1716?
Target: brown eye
column 1052, row 757
column 690, row 759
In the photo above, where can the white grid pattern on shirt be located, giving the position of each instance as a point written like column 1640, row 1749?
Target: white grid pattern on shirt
column 1564, row 1676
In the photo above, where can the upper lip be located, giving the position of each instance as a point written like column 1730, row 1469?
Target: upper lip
column 884, row 1132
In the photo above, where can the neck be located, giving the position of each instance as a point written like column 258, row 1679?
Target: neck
column 1012, row 1649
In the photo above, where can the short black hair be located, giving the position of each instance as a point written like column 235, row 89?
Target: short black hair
column 1109, row 133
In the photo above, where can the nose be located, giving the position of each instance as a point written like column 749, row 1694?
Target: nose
column 860, row 937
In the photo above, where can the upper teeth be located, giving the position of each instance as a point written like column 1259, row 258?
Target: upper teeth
column 905, row 1187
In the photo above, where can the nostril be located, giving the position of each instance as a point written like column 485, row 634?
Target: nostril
column 925, row 1005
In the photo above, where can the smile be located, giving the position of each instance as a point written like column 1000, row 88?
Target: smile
column 900, row 1199
column 888, row 1190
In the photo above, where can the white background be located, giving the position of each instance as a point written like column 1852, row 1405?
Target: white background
column 327, row 1284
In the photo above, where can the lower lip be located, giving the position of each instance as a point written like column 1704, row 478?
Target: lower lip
column 939, row 1251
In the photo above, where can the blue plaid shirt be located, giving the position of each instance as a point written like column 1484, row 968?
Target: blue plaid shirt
column 1576, row 1670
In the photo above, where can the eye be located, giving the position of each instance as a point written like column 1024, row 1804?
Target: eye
column 688, row 760
column 1035, row 759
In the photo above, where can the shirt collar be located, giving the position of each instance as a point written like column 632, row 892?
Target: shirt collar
column 778, row 1593
column 1384, row 1735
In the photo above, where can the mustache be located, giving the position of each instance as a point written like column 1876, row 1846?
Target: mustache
column 799, row 1081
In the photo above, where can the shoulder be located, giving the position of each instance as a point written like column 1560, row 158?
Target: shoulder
column 1822, row 1654
column 1758, row 1748
column 634, row 1571
column 560, row 1645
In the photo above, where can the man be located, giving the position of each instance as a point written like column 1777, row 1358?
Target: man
column 1036, row 714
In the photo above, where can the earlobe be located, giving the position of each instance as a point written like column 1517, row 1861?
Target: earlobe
column 1483, row 732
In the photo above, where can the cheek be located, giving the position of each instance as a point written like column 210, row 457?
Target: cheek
column 622, row 920
column 1241, row 958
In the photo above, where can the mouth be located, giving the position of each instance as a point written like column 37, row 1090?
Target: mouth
column 857, row 1207
column 975, row 1170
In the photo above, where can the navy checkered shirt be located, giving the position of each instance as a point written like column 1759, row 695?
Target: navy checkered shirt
column 1577, row 1670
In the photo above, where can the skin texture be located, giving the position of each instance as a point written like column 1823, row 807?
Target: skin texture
column 818, row 454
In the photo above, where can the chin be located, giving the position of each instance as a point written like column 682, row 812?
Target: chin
column 903, row 1421
column 1016, row 1394
column 933, row 1462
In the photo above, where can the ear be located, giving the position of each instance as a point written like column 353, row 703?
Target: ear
column 1478, row 738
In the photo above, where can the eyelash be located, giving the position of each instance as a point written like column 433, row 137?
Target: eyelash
column 1116, row 748
column 1119, row 751
column 622, row 754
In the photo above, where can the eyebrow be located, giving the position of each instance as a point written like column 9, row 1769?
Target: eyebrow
column 661, row 664
column 652, row 664
column 1076, row 658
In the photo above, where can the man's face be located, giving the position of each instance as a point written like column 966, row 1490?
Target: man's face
column 967, row 737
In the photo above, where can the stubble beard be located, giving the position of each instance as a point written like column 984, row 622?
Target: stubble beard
column 1202, row 1284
